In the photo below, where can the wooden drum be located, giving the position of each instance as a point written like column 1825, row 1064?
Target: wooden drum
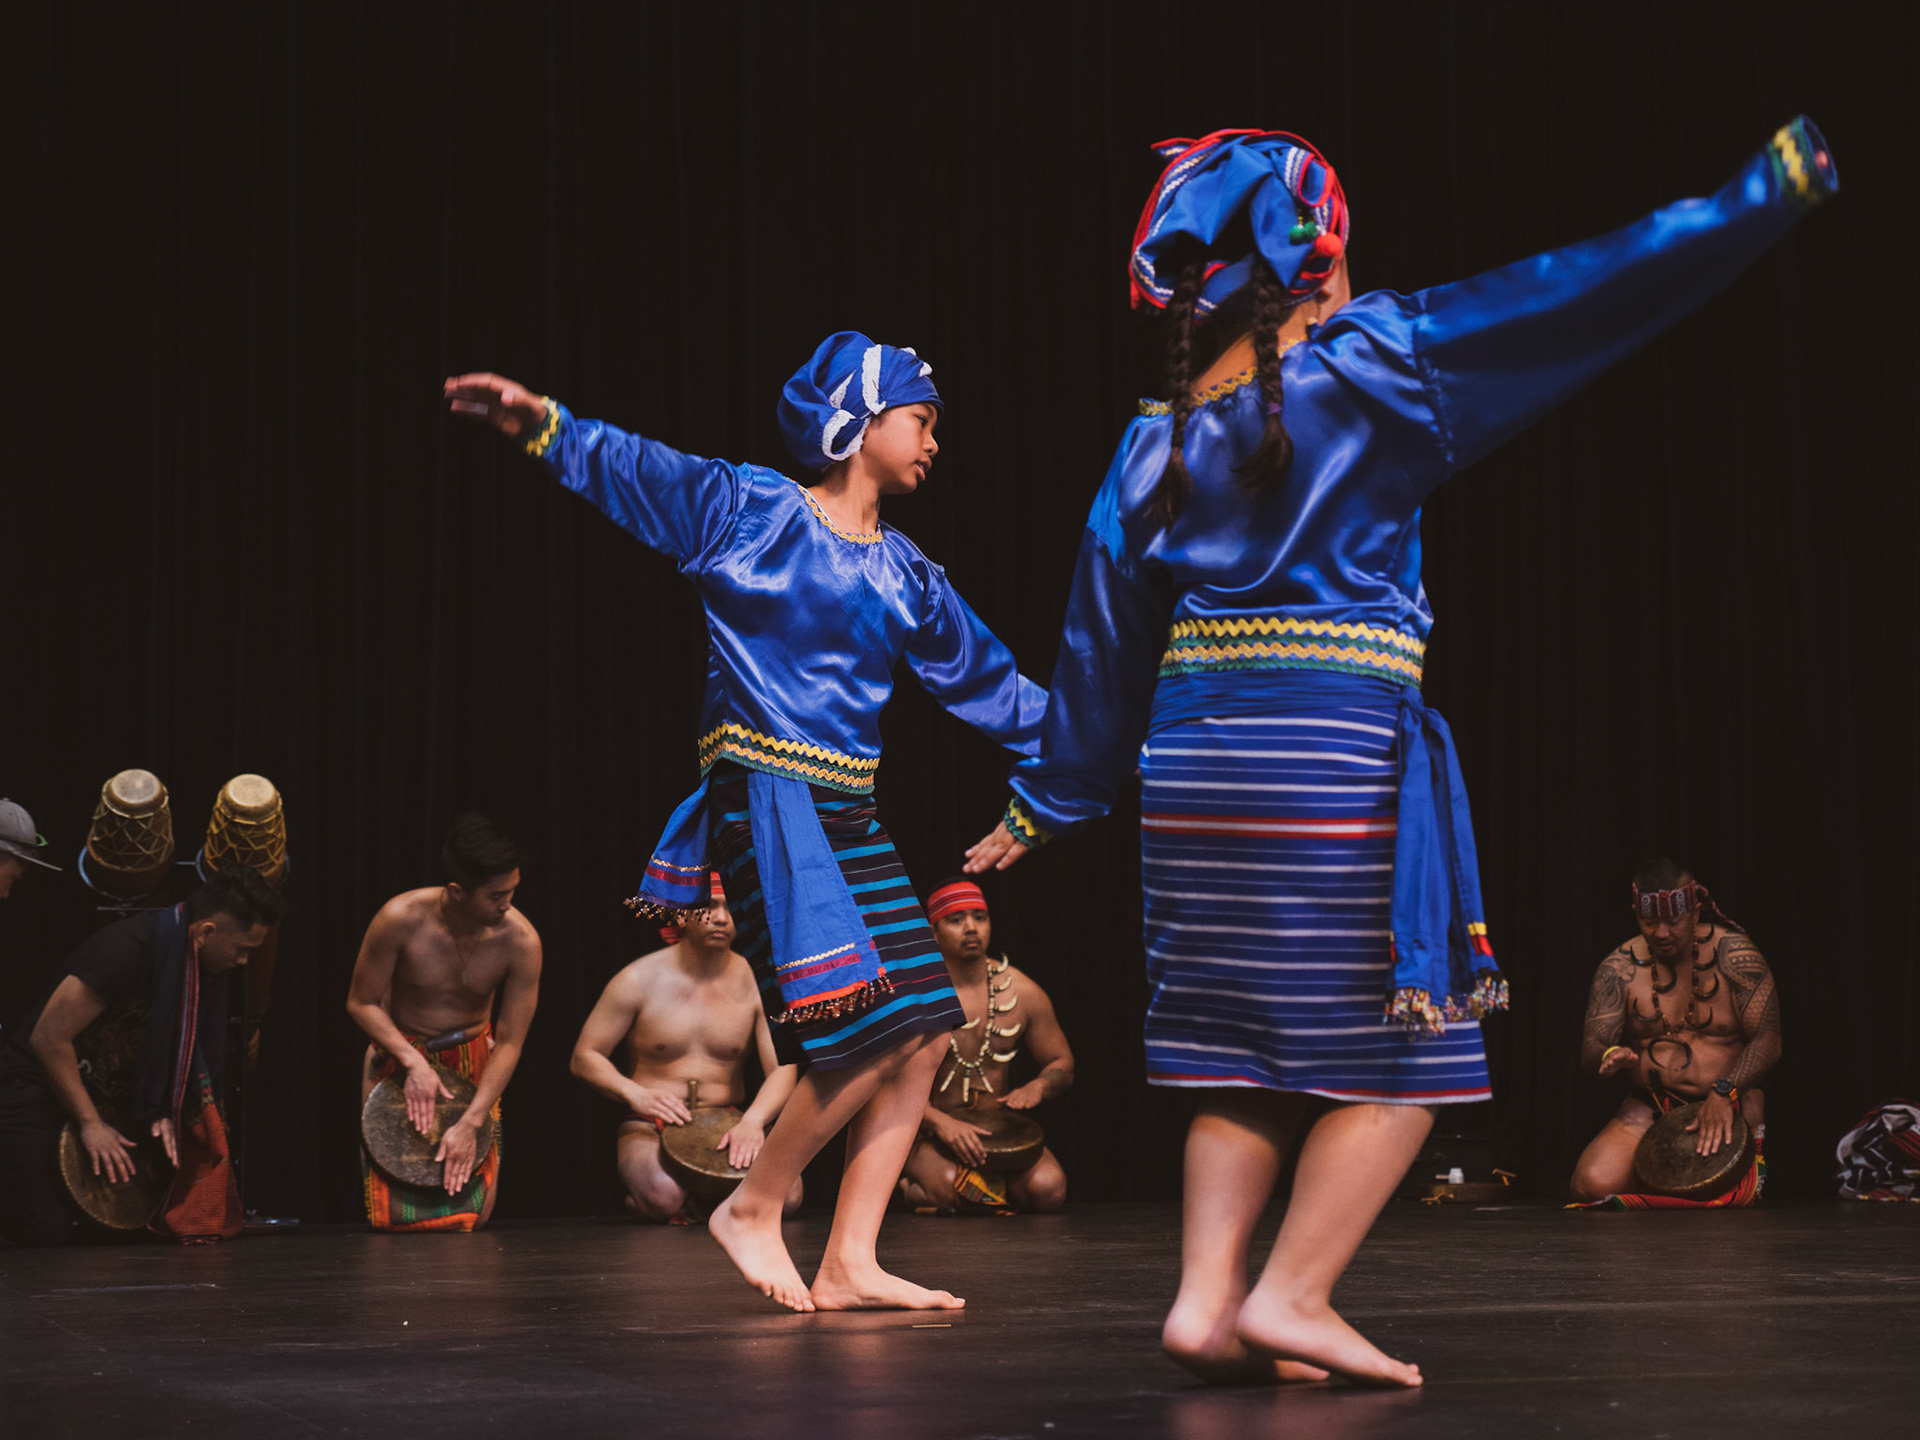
column 1667, row 1161
column 402, row 1153
column 116, row 1205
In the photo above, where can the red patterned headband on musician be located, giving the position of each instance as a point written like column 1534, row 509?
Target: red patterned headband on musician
column 1667, row 904
column 960, row 895
column 673, row 934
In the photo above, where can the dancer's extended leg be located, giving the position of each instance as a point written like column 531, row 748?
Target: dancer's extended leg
column 1352, row 1159
column 747, row 1222
column 882, row 1133
column 1235, row 1148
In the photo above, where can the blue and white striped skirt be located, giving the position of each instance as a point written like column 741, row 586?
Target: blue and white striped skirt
column 1267, row 851
column 919, row 999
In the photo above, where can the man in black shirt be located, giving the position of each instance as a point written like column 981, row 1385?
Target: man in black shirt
column 139, row 1015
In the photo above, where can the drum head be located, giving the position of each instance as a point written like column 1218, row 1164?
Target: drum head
column 249, row 797
column 402, row 1153
column 134, row 792
column 1667, row 1164
column 128, row 1204
column 1016, row 1142
column 687, row 1152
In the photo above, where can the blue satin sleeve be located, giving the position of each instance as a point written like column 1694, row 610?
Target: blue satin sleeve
column 971, row 672
column 1500, row 350
column 680, row 505
column 1101, row 694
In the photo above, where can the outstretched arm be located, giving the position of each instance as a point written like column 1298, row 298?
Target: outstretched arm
column 1498, row 351
column 677, row 504
column 1101, row 693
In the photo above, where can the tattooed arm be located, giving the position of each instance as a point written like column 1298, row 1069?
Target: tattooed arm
column 1757, row 1007
column 1606, row 1010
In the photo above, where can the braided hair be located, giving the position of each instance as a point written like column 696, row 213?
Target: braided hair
column 1188, row 337
column 1176, row 481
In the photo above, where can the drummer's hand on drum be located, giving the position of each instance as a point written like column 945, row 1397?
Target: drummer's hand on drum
column 962, row 1139
column 1715, row 1124
column 459, row 1148
column 995, row 851
column 108, row 1149
column 742, row 1143
column 163, row 1132
column 423, row 1089
column 665, row 1109
column 1026, row 1097
column 506, row 405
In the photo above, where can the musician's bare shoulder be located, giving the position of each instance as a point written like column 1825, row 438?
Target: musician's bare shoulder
column 444, row 971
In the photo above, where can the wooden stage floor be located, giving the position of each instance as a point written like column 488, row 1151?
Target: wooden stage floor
column 1527, row 1321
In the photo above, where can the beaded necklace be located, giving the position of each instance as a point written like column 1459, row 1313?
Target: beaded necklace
column 973, row 1070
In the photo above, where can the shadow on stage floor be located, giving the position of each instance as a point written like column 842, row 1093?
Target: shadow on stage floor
column 1527, row 1321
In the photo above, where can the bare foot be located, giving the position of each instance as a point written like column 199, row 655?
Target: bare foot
column 1318, row 1336
column 872, row 1288
column 1200, row 1337
column 758, row 1252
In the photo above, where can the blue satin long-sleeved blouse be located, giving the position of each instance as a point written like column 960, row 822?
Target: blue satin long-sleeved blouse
column 1385, row 401
column 806, row 621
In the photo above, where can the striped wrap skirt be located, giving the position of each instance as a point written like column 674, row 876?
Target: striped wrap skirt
column 1267, row 848
column 918, row 997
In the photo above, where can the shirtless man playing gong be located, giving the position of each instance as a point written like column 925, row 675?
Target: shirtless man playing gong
column 1006, row 1009
column 430, row 970
column 1688, row 1009
column 688, row 1012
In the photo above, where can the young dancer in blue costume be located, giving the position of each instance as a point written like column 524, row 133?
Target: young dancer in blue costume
column 1248, row 604
column 810, row 604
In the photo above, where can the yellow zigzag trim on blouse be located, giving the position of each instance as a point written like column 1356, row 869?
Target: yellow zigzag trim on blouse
column 541, row 443
column 787, row 757
column 1290, row 625
column 1372, row 650
column 1787, row 145
column 871, row 538
column 1203, row 397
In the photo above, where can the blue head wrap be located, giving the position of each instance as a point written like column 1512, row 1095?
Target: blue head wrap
column 826, row 406
column 1287, row 191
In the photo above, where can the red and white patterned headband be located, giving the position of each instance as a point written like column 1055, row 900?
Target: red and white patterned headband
column 1667, row 904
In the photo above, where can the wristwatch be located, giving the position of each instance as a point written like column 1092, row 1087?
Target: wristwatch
column 1724, row 1088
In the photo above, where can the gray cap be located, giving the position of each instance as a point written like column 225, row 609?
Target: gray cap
column 18, row 837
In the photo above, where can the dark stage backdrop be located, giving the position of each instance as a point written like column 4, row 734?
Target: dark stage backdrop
column 238, row 533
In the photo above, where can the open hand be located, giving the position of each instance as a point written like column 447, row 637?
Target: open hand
column 1618, row 1058
column 459, row 1149
column 1026, row 1097
column 1715, row 1124
column 742, row 1143
column 661, row 1109
column 107, row 1148
column 960, row 1139
column 506, row 405
column 163, row 1132
column 424, row 1087
column 996, row 851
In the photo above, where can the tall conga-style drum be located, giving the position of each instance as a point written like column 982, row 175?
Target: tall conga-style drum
column 248, row 827
column 130, row 842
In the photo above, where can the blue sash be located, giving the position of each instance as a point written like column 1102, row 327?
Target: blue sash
column 823, row 956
